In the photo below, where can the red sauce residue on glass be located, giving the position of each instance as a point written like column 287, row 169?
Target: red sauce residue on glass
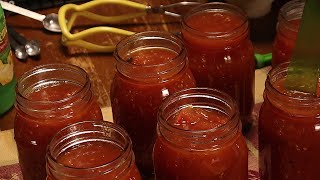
column 221, row 22
column 33, row 134
column 197, row 119
column 135, row 103
column 228, row 160
column 224, row 58
column 284, row 42
column 53, row 93
column 152, row 56
column 288, row 137
column 95, row 154
column 89, row 154
column 215, row 24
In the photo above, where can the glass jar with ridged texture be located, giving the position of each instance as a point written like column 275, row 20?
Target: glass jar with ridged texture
column 150, row 66
column 91, row 150
column 289, row 130
column 199, row 137
column 216, row 36
column 287, row 29
column 49, row 97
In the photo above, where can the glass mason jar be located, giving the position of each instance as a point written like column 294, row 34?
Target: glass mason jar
column 287, row 29
column 289, row 131
column 150, row 66
column 220, row 52
column 91, row 150
column 199, row 137
column 49, row 97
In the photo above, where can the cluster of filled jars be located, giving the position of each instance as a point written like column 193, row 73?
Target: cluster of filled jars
column 180, row 108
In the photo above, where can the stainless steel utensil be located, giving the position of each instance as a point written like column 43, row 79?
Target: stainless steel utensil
column 19, row 50
column 32, row 47
column 50, row 21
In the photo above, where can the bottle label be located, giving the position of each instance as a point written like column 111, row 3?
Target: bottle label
column 6, row 61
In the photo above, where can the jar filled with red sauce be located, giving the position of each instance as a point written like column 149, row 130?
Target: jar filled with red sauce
column 220, row 52
column 199, row 137
column 289, row 131
column 287, row 29
column 49, row 97
column 91, row 150
column 150, row 66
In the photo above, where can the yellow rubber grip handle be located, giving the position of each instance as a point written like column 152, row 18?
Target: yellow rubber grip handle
column 75, row 39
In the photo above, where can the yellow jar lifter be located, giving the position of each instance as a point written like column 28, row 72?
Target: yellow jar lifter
column 77, row 39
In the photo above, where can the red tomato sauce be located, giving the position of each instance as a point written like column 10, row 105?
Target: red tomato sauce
column 95, row 154
column 228, row 160
column 221, row 55
column 89, row 154
column 33, row 134
column 284, row 42
column 197, row 119
column 152, row 56
column 135, row 103
column 288, row 137
column 214, row 23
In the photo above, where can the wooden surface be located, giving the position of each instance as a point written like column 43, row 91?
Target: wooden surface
column 100, row 67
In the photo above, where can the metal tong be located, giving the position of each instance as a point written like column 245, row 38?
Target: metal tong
column 76, row 39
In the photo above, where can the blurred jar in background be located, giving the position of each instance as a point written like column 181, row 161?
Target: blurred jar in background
column 150, row 66
column 220, row 52
column 199, row 137
column 91, row 150
column 289, row 131
column 254, row 8
column 49, row 97
column 287, row 29
column 262, row 17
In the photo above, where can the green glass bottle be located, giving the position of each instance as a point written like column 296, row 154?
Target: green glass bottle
column 7, row 79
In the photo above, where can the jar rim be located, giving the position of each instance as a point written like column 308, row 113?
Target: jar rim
column 297, row 6
column 215, row 94
column 215, row 6
column 117, row 162
column 159, row 71
column 52, row 67
column 149, row 35
column 283, row 69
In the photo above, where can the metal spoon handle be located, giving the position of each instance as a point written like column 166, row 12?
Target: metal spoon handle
column 18, row 37
column 13, row 43
column 19, row 51
column 22, row 11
